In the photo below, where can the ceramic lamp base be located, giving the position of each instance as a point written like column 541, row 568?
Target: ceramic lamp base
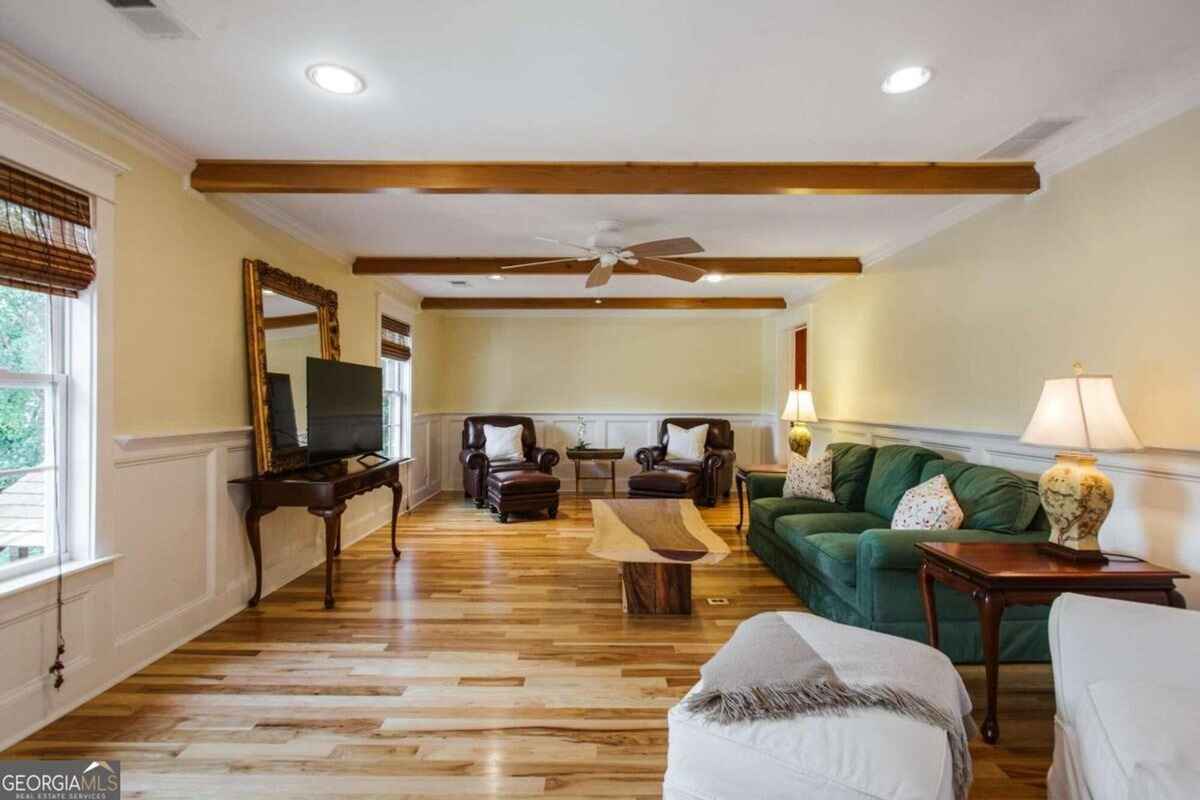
column 1077, row 498
column 799, row 439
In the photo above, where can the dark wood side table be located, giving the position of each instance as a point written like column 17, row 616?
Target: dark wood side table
column 741, row 475
column 610, row 454
column 323, row 490
column 998, row 575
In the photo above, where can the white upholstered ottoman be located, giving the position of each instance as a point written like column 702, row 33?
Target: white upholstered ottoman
column 870, row 754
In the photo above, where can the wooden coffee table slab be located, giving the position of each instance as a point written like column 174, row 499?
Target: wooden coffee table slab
column 656, row 541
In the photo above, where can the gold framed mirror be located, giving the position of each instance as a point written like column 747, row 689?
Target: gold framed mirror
column 288, row 319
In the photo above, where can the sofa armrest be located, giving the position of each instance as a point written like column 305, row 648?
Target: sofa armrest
column 647, row 457
column 764, row 484
column 473, row 459
column 545, row 458
column 1096, row 639
column 891, row 549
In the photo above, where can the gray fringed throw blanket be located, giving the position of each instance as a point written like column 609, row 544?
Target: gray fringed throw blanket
column 767, row 670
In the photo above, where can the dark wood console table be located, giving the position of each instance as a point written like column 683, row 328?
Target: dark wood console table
column 998, row 575
column 323, row 490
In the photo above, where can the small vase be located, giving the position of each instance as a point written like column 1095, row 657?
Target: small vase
column 1077, row 498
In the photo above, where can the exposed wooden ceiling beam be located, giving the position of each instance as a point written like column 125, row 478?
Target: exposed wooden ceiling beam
column 618, row 177
column 387, row 265
column 601, row 303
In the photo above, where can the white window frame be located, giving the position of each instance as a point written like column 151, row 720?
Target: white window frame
column 400, row 413
column 387, row 305
column 56, row 455
column 86, row 463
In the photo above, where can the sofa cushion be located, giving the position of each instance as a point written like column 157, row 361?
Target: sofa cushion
column 896, row 469
column 1120, row 724
column 765, row 510
column 830, row 554
column 851, row 472
column 991, row 498
column 800, row 525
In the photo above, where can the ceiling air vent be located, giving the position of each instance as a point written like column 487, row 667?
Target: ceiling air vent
column 461, row 284
column 1025, row 140
column 151, row 19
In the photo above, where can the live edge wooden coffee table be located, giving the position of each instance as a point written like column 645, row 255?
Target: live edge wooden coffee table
column 999, row 575
column 657, row 542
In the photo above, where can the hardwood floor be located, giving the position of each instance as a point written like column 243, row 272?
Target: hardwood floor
column 490, row 661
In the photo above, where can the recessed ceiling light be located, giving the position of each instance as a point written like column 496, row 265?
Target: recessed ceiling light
column 598, row 302
column 714, row 277
column 496, row 277
column 907, row 79
column 333, row 78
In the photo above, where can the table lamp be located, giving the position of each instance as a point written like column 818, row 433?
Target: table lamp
column 799, row 410
column 1082, row 415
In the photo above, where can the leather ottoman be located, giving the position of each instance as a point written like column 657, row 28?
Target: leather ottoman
column 522, row 490
column 664, row 482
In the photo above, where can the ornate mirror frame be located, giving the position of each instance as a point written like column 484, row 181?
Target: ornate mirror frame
column 260, row 275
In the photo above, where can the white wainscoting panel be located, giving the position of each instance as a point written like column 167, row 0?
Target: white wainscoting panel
column 184, row 566
column 752, row 439
column 1156, row 515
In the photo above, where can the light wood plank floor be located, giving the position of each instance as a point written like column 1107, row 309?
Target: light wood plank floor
column 490, row 661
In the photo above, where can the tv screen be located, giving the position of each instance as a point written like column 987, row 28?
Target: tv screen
column 345, row 410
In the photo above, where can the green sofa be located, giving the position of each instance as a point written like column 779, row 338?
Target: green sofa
column 846, row 563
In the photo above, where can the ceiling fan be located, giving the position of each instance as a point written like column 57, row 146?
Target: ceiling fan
column 605, row 248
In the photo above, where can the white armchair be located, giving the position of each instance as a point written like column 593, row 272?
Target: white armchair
column 1127, row 687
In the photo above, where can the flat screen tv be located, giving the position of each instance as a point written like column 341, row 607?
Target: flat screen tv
column 345, row 410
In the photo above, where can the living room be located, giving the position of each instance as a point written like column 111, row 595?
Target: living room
column 870, row 338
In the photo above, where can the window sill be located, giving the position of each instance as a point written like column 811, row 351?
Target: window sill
column 32, row 580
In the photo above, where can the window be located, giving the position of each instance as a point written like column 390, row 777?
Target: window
column 45, row 261
column 396, row 349
column 33, row 386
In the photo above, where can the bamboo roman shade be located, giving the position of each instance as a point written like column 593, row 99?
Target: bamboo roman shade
column 395, row 339
column 45, row 235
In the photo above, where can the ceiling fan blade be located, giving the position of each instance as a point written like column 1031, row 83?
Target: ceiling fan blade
column 599, row 275
column 566, row 244
column 667, row 247
column 536, row 263
column 671, row 269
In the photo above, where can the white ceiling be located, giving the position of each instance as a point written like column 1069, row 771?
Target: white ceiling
column 651, row 80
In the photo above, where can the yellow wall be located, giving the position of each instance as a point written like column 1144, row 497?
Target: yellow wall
column 180, row 350
column 960, row 331
column 697, row 363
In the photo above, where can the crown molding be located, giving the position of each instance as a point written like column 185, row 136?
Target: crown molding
column 44, row 133
column 48, row 84
column 1093, row 137
column 285, row 222
column 66, row 95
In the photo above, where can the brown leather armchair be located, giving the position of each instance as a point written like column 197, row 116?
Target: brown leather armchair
column 716, row 469
column 476, row 465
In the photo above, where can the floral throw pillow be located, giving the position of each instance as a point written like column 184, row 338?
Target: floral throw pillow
column 928, row 506
column 813, row 479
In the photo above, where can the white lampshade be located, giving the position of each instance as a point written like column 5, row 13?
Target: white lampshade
column 799, row 407
column 1081, row 413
